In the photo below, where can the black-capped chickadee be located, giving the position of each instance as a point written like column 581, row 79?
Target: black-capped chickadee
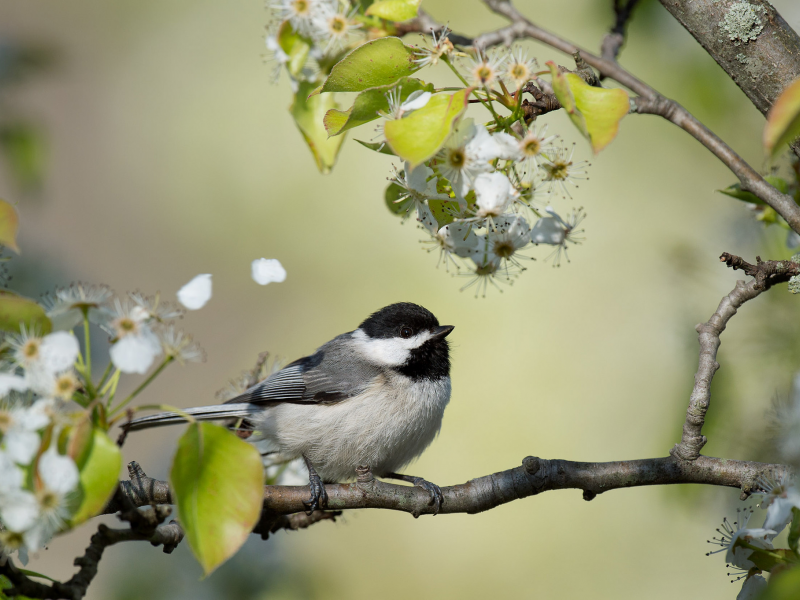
column 371, row 397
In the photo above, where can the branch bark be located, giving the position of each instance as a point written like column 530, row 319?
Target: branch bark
column 765, row 274
column 145, row 526
column 750, row 40
column 536, row 475
column 649, row 102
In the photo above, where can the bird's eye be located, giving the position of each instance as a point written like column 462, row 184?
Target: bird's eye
column 406, row 332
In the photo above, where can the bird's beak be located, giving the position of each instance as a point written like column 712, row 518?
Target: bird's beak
column 442, row 332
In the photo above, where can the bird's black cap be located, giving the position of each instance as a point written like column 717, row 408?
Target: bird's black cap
column 388, row 321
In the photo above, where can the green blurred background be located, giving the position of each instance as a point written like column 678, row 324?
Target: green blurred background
column 167, row 152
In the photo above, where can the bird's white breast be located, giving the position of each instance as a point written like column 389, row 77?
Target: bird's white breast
column 385, row 427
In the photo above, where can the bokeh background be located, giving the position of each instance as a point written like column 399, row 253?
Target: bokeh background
column 158, row 148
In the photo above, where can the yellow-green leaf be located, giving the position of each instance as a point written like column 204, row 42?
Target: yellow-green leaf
column 564, row 94
column 9, row 223
column 15, row 310
column 736, row 191
column 295, row 46
column 783, row 120
column 99, row 476
column 308, row 114
column 419, row 136
column 218, row 481
column 783, row 585
column 368, row 103
column 394, row 10
column 595, row 111
column 378, row 62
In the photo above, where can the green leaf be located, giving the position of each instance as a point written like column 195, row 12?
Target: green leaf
column 381, row 147
column 218, row 483
column 368, row 103
column 564, row 94
column 443, row 211
column 782, row 586
column 794, row 529
column 15, row 310
column 99, row 476
column 295, row 46
column 308, row 114
column 376, row 63
column 736, row 191
column 391, row 196
column 394, row 10
column 24, row 149
column 420, row 135
column 9, row 223
column 783, row 120
column 595, row 111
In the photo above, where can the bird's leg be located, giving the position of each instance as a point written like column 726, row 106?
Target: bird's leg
column 437, row 498
column 319, row 497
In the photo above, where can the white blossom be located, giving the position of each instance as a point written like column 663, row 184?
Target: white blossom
column 19, row 426
column 9, row 382
column 465, row 155
column 267, row 270
column 19, row 510
column 779, row 498
column 752, row 588
column 493, row 192
column 135, row 353
column 57, row 471
column 11, row 475
column 734, row 532
column 58, row 351
column 196, row 293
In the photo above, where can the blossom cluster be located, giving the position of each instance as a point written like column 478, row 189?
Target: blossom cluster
column 328, row 26
column 48, row 395
column 36, row 479
column 750, row 551
column 486, row 195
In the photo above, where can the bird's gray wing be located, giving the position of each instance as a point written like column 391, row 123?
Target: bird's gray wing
column 332, row 374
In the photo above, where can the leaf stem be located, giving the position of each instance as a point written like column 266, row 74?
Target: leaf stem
column 144, row 384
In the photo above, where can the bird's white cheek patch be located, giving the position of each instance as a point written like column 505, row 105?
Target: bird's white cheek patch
column 392, row 352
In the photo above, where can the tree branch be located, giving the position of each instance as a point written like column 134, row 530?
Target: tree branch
column 765, row 274
column 649, row 102
column 145, row 526
column 613, row 40
column 751, row 42
column 534, row 477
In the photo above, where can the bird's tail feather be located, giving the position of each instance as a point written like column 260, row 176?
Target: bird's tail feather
column 202, row 413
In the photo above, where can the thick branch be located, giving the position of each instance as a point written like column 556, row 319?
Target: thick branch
column 749, row 40
column 649, row 102
column 534, row 477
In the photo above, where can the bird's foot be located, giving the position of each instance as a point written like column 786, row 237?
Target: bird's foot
column 437, row 498
column 319, row 497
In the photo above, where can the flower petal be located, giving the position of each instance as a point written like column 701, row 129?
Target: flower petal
column 58, row 351
column 196, row 293
column 58, row 472
column 19, row 510
column 267, row 270
column 134, row 353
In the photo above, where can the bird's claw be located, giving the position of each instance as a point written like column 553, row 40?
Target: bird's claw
column 319, row 497
column 437, row 498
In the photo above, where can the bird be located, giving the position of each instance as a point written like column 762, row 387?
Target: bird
column 374, row 396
